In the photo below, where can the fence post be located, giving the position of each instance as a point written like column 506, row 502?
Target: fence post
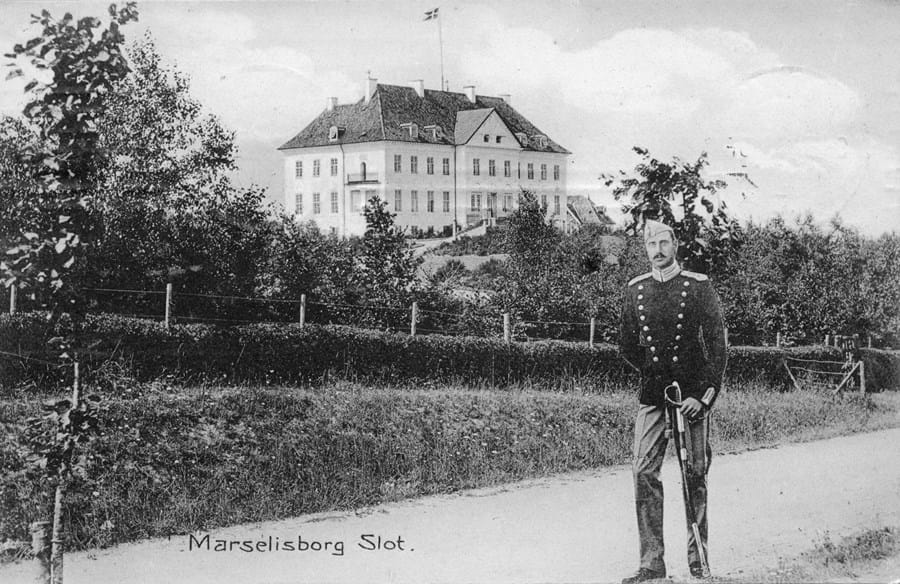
column 870, row 341
column 777, row 340
column 727, row 344
column 13, row 291
column 827, row 340
column 415, row 315
column 40, row 547
column 593, row 328
column 862, row 377
column 168, row 304
column 302, row 310
column 506, row 334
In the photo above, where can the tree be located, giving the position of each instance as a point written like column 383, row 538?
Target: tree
column 705, row 231
column 387, row 266
column 63, row 159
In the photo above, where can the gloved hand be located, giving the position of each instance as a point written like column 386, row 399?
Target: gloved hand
column 692, row 408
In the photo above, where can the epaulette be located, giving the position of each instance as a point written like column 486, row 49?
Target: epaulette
column 695, row 276
column 639, row 278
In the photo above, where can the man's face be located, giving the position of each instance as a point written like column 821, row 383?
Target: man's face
column 661, row 249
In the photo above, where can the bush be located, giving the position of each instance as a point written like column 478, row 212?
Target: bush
column 287, row 353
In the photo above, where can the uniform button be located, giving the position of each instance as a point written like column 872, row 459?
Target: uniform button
column 686, row 284
column 678, row 326
column 641, row 287
column 640, row 296
column 640, row 307
column 655, row 359
column 684, row 293
column 677, row 337
column 675, row 359
column 646, row 328
column 652, row 349
column 675, row 348
column 680, row 315
column 643, row 317
column 649, row 338
column 682, row 304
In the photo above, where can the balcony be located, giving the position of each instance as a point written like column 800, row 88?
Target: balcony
column 363, row 177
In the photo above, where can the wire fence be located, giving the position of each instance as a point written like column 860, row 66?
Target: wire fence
column 419, row 317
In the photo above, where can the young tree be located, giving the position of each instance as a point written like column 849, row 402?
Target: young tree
column 705, row 230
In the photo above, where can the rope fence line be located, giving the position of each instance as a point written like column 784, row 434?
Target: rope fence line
column 816, row 361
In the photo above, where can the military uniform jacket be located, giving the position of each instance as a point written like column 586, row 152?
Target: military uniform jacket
column 673, row 331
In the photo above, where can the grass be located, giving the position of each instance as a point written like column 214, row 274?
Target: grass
column 855, row 558
column 174, row 459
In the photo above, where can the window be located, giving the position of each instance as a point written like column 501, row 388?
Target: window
column 430, row 202
column 492, row 168
column 544, row 202
column 369, row 196
column 334, row 167
column 499, row 138
column 446, row 207
column 530, row 171
column 315, row 168
column 429, row 165
column 334, row 202
column 519, row 170
column 398, row 162
column 414, row 164
column 398, row 201
column 507, row 171
column 487, row 137
column 413, row 129
column 476, row 201
column 555, row 172
column 556, row 204
column 414, row 201
column 356, row 200
column 476, row 166
column 507, row 202
column 446, row 166
column 298, row 169
column 298, row 205
column 317, row 203
column 543, row 172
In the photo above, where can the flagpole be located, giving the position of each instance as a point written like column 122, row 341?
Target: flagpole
column 441, row 43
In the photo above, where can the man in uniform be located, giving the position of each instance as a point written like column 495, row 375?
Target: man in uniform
column 671, row 331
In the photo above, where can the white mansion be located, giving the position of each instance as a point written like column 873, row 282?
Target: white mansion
column 438, row 159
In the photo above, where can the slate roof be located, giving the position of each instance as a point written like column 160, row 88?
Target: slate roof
column 393, row 105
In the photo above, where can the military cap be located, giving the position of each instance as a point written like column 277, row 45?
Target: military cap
column 653, row 228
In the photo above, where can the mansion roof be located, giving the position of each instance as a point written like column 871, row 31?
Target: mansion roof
column 398, row 113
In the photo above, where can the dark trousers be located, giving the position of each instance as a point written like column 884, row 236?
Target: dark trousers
column 650, row 443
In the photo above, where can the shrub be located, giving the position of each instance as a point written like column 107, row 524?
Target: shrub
column 287, row 353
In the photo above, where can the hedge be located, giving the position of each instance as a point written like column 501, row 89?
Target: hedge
column 287, row 353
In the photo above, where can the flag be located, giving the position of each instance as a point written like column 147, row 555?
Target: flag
column 431, row 14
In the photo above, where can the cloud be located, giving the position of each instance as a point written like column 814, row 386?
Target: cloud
column 264, row 92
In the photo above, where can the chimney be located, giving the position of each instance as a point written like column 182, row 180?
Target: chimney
column 504, row 97
column 371, row 84
column 331, row 104
column 419, row 86
column 470, row 92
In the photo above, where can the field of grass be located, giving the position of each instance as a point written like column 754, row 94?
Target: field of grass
column 177, row 459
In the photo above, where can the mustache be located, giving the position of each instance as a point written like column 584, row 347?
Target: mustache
column 659, row 256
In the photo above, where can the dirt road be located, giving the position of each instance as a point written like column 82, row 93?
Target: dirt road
column 764, row 505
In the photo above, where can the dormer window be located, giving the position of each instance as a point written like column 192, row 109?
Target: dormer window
column 335, row 132
column 540, row 140
column 412, row 128
column 522, row 138
column 435, row 132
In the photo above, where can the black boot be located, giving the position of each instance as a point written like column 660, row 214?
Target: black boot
column 697, row 571
column 643, row 575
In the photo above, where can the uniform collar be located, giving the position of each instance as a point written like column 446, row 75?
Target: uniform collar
column 666, row 274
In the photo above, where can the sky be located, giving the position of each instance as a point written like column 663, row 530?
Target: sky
column 802, row 97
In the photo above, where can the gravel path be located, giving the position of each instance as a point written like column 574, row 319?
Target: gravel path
column 764, row 505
